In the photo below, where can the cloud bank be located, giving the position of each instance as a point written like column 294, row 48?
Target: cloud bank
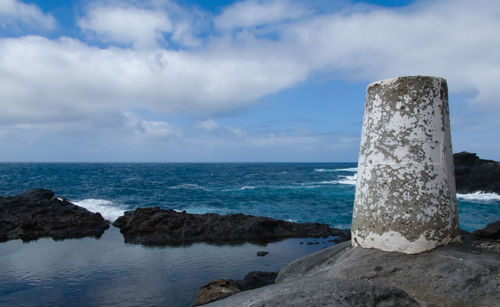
column 167, row 59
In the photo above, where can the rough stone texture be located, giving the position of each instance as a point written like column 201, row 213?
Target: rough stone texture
column 405, row 194
column 155, row 226
column 37, row 213
column 455, row 275
column 473, row 174
column 216, row 290
column 256, row 279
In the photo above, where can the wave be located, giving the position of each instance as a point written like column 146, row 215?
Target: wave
column 479, row 196
column 349, row 169
column 325, row 170
column 328, row 170
column 248, row 187
column 106, row 208
column 350, row 180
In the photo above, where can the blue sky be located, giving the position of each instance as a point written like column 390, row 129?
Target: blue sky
column 208, row 81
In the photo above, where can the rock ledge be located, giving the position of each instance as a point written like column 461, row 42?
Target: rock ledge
column 155, row 226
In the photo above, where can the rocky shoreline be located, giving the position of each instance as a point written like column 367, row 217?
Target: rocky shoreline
column 38, row 213
column 457, row 274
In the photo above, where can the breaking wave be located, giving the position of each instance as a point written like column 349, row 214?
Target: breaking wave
column 106, row 208
column 479, row 196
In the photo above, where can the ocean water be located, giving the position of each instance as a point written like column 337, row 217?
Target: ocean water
column 107, row 271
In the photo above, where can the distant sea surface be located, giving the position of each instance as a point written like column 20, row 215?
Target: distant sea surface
column 107, row 271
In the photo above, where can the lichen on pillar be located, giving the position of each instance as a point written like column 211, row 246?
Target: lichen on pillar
column 405, row 197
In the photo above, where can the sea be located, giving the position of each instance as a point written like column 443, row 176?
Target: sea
column 107, row 271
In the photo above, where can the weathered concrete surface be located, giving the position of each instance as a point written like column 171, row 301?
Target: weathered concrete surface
column 454, row 275
column 405, row 194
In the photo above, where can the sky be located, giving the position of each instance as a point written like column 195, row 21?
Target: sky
column 232, row 81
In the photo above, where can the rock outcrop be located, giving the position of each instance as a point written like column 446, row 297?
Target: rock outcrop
column 473, row 174
column 37, row 213
column 455, row 275
column 155, row 226
column 216, row 290
column 221, row 288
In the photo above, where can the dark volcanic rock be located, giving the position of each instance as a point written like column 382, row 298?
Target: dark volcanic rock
column 155, row 226
column 492, row 231
column 473, row 174
column 37, row 213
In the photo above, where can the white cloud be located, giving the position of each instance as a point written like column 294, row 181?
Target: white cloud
column 13, row 12
column 208, row 124
column 142, row 28
column 42, row 79
column 453, row 39
column 159, row 129
column 253, row 13
column 217, row 130
column 151, row 129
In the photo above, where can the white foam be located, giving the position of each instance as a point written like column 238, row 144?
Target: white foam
column 328, row 170
column 329, row 182
column 324, row 170
column 106, row 208
column 247, row 187
column 350, row 180
column 479, row 196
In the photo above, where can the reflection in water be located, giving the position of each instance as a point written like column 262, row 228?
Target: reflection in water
column 108, row 272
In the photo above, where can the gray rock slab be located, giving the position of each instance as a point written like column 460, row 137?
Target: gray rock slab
column 453, row 275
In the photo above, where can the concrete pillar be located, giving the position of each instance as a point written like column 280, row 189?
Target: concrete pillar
column 405, row 193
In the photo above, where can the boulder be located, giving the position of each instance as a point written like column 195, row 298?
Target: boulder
column 492, row 231
column 473, row 174
column 155, row 226
column 216, row 290
column 37, row 213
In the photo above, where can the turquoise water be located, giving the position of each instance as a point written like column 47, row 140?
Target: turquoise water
column 101, row 272
column 302, row 192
